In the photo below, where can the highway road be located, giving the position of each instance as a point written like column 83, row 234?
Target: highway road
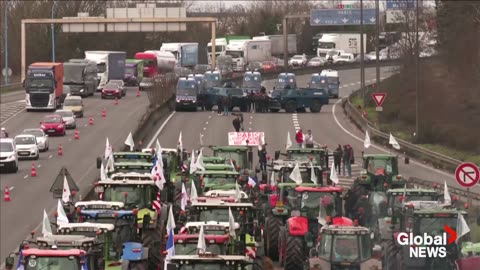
column 30, row 195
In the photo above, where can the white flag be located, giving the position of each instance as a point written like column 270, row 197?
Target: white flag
column 158, row 149
column 201, row 246
column 446, row 195
column 273, row 181
column 180, row 143
column 129, row 141
column 193, row 168
column 231, row 223
column 333, row 175
column 289, row 141
column 171, row 220
column 46, row 227
column 199, row 163
column 394, row 142
column 110, row 161
column 296, row 175
column 66, row 190
column 321, row 215
column 183, row 202
column 231, row 164
column 313, row 177
column 251, row 182
column 193, row 192
column 61, row 215
column 201, row 139
column 108, row 149
column 103, row 174
column 238, row 193
column 462, row 227
column 366, row 142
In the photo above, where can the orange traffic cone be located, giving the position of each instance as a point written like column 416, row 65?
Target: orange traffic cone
column 90, row 122
column 104, row 113
column 77, row 135
column 60, row 150
column 34, row 170
column 116, row 101
column 6, row 195
column 138, row 92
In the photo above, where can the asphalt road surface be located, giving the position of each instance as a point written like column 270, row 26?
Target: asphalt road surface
column 30, row 195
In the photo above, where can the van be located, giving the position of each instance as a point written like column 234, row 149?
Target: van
column 74, row 104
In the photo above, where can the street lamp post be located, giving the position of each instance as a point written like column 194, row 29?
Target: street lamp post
column 52, row 29
column 6, row 42
column 417, row 68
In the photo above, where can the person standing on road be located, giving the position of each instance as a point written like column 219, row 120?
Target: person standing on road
column 352, row 159
column 219, row 105
column 299, row 138
column 346, row 161
column 236, row 124
column 337, row 158
column 309, row 139
column 226, row 104
column 262, row 156
column 241, row 122
column 3, row 133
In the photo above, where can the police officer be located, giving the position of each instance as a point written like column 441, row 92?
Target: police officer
column 3, row 133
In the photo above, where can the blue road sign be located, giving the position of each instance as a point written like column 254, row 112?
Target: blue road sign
column 341, row 16
column 401, row 4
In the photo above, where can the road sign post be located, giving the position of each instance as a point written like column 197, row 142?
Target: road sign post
column 320, row 17
column 467, row 174
column 379, row 98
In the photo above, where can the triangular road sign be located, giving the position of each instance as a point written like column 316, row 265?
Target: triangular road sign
column 379, row 98
column 57, row 187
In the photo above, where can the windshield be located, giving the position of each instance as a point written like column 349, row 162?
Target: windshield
column 218, row 48
column 25, row 140
column 72, row 102
column 34, row 132
column 208, row 266
column 237, row 157
column 283, row 81
column 380, row 166
column 73, row 74
column 187, row 84
column 379, row 202
column 313, row 201
column 235, row 54
column 147, row 62
column 332, row 80
column 101, row 68
column 6, row 147
column 40, row 83
column 252, row 80
column 218, row 214
column 52, row 263
column 212, row 80
column 318, row 82
column 191, row 249
column 216, row 180
column 435, row 225
column 52, row 120
column 134, row 195
column 340, row 248
column 398, row 200
column 326, row 45
column 64, row 113
column 130, row 70
column 298, row 57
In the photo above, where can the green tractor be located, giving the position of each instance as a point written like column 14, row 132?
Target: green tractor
column 318, row 155
column 211, row 262
column 218, row 180
column 34, row 258
column 310, row 208
column 241, row 157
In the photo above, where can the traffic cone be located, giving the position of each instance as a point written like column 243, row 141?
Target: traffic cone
column 104, row 113
column 116, row 101
column 6, row 195
column 34, row 170
column 138, row 92
column 90, row 122
column 77, row 135
column 60, row 150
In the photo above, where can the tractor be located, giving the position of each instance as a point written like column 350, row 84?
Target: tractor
column 310, row 208
column 469, row 258
column 218, row 180
column 317, row 155
column 186, row 244
column 211, row 262
column 240, row 156
column 52, row 259
column 345, row 247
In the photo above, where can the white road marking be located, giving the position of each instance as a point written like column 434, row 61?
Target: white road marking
column 209, row 116
column 251, row 116
column 249, row 123
column 204, row 128
column 160, row 130
column 249, row 128
column 50, row 156
column 11, row 188
column 206, row 123
column 70, row 139
column 39, row 165
column 25, row 177
column 6, row 120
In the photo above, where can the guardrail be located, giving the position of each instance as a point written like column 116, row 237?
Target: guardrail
column 438, row 160
column 8, row 87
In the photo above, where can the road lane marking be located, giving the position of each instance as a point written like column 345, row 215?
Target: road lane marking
column 206, row 123
column 160, row 129
column 50, row 156
column 204, row 128
column 39, row 165
column 25, row 177
column 8, row 119
column 12, row 187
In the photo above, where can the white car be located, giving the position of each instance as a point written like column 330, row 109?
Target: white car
column 42, row 138
column 26, row 146
column 8, row 156
column 68, row 116
column 120, row 84
column 344, row 58
column 298, row 60
column 316, row 62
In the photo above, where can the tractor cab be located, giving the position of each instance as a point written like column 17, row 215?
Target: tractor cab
column 51, row 259
column 469, row 257
column 129, row 157
column 210, row 262
column 171, row 161
column 210, row 227
column 216, row 193
column 380, row 172
column 218, row 180
column 241, row 156
column 317, row 155
column 66, row 242
column 283, row 168
column 346, row 247
column 399, row 198
column 140, row 167
column 186, row 244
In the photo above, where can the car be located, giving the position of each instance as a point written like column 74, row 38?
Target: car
column 332, row 55
column 255, row 66
column 344, row 58
column 42, row 138
column 53, row 125
column 26, row 146
column 69, row 118
column 74, row 104
column 8, row 155
column 111, row 90
column 269, row 66
column 369, row 57
column 298, row 60
column 315, row 62
column 121, row 84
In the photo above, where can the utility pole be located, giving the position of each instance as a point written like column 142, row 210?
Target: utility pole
column 52, row 29
column 362, row 63
column 285, row 44
column 417, row 70
column 377, row 43
column 6, row 42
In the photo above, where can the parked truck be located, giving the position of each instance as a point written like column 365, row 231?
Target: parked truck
column 44, row 86
column 155, row 62
column 133, row 72
column 185, row 53
column 221, row 46
column 277, row 44
column 245, row 52
column 80, row 77
column 110, row 65
column 346, row 42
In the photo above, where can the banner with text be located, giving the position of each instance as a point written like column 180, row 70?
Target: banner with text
column 246, row 138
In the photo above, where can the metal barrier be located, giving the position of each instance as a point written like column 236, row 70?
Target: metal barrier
column 4, row 87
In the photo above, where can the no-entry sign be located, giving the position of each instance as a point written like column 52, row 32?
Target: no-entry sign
column 467, row 174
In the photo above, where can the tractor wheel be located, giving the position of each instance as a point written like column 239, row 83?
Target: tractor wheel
column 154, row 240
column 294, row 257
column 282, row 245
column 208, row 107
column 291, row 106
column 316, row 106
column 272, row 232
column 127, row 265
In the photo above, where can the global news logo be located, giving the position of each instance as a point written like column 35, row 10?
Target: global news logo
column 427, row 246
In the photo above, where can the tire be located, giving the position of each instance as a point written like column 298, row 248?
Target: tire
column 15, row 169
column 291, row 106
column 281, row 246
column 294, row 258
column 208, row 107
column 155, row 242
column 272, row 233
column 64, row 133
column 335, row 96
column 141, row 265
column 46, row 149
column 37, row 156
column 316, row 106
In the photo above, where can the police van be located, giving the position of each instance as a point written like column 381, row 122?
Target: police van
column 328, row 79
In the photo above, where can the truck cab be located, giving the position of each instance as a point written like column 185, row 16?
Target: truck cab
column 236, row 49
column 44, row 86
column 186, row 94
column 252, row 81
column 328, row 80
column 133, row 72
column 80, row 77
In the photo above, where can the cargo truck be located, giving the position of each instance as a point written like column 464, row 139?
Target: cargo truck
column 133, row 72
column 245, row 52
column 155, row 62
column 185, row 53
column 80, row 77
column 221, row 46
column 110, row 65
column 277, row 41
column 345, row 42
column 44, row 86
